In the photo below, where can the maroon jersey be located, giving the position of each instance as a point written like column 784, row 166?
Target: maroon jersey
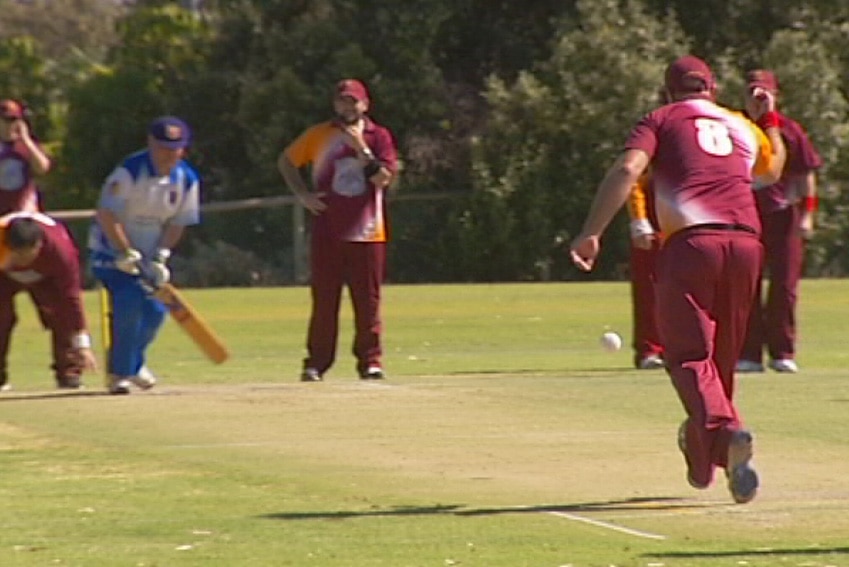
column 802, row 158
column 57, row 264
column 703, row 160
column 356, row 209
column 17, row 188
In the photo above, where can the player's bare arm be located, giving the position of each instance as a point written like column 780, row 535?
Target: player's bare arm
column 806, row 188
column 171, row 235
column 113, row 229
column 609, row 198
column 312, row 201
column 763, row 110
column 377, row 174
column 38, row 160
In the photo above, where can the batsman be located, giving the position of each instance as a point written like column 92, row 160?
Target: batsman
column 145, row 205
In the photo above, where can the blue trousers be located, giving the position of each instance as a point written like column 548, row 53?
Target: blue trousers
column 136, row 319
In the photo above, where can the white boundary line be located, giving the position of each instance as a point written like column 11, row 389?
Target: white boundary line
column 606, row 525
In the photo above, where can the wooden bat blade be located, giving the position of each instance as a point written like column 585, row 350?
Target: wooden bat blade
column 192, row 323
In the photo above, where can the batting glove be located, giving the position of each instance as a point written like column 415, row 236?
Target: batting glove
column 160, row 274
column 128, row 261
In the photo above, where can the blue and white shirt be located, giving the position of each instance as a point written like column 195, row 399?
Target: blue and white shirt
column 145, row 203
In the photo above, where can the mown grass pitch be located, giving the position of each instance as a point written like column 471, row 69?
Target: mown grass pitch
column 505, row 436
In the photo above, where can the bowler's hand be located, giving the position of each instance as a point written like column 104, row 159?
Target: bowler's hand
column 128, row 261
column 584, row 251
column 313, row 202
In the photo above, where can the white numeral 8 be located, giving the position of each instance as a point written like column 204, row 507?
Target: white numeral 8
column 713, row 137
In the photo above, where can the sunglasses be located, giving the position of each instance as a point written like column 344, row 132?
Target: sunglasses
column 8, row 119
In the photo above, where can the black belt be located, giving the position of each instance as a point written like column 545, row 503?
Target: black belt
column 725, row 226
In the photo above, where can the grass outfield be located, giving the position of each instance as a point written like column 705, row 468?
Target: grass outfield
column 505, row 437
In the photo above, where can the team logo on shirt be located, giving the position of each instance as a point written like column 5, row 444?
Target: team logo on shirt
column 173, row 196
column 114, row 188
column 348, row 177
column 12, row 175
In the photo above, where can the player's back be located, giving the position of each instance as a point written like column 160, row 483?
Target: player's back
column 702, row 165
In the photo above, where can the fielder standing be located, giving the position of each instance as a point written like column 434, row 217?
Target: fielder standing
column 144, row 207
column 703, row 159
column 787, row 210
column 353, row 161
column 21, row 160
column 644, row 251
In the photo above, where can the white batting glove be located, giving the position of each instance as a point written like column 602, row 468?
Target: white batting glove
column 162, row 255
column 159, row 274
column 128, row 262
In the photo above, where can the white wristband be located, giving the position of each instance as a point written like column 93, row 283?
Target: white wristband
column 641, row 227
column 81, row 341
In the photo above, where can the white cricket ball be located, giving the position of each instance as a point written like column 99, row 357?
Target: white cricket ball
column 611, row 341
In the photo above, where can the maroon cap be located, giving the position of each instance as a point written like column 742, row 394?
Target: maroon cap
column 761, row 78
column 352, row 88
column 688, row 74
column 11, row 109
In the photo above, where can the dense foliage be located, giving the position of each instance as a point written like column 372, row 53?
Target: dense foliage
column 512, row 110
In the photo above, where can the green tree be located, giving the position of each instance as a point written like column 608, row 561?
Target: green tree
column 160, row 52
column 552, row 133
column 24, row 76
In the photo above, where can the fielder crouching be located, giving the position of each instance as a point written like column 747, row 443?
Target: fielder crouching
column 37, row 254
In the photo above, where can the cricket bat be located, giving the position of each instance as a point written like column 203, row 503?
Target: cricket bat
column 192, row 323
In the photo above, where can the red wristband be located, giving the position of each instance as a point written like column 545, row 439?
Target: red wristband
column 769, row 119
column 810, row 204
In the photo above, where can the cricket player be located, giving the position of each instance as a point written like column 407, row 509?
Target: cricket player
column 644, row 250
column 787, row 210
column 704, row 159
column 37, row 254
column 353, row 161
column 21, row 160
column 145, row 205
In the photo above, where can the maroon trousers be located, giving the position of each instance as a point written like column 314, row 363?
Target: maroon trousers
column 773, row 324
column 46, row 298
column 706, row 281
column 360, row 266
column 643, row 279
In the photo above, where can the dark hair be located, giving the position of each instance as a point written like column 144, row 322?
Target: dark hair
column 23, row 233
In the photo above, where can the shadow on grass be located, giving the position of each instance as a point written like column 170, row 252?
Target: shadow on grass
column 24, row 396
column 572, row 373
column 648, row 503
column 755, row 553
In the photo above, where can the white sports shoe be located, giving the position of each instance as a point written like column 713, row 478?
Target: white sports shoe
column 5, row 387
column 748, row 366
column 784, row 365
column 119, row 385
column 145, row 379
column 651, row 362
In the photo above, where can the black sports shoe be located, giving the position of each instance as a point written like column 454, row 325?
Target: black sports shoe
column 372, row 373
